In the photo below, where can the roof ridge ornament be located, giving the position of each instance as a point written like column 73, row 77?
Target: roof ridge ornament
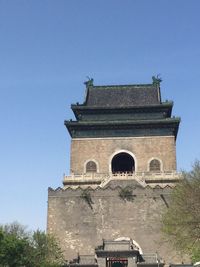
column 156, row 80
column 89, row 82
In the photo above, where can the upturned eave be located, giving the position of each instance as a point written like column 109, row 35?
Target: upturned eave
column 74, row 126
column 79, row 109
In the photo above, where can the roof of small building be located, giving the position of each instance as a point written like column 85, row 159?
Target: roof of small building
column 123, row 95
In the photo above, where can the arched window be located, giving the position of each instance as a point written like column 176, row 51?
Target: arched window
column 91, row 166
column 154, row 166
column 123, row 162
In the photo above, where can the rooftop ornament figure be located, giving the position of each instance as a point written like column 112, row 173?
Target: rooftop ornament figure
column 89, row 82
column 156, row 80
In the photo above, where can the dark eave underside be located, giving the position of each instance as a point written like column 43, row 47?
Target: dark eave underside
column 82, row 109
column 113, row 253
column 160, row 105
column 122, row 122
column 122, row 128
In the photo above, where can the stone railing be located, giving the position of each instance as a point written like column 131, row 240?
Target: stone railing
column 159, row 175
column 103, row 178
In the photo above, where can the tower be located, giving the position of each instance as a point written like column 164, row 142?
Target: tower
column 122, row 169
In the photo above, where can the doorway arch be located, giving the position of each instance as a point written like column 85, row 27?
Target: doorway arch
column 122, row 162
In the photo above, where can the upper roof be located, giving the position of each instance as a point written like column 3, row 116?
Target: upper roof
column 131, row 110
column 122, row 95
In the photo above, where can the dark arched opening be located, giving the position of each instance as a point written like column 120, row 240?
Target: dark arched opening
column 116, row 262
column 154, row 166
column 91, row 166
column 123, row 162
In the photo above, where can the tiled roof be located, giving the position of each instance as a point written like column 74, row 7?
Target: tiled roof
column 122, row 95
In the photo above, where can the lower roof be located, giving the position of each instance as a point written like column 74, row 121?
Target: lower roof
column 82, row 129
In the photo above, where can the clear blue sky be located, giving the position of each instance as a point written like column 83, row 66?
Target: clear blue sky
column 47, row 48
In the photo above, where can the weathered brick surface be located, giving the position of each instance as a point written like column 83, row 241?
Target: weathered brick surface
column 80, row 228
column 143, row 148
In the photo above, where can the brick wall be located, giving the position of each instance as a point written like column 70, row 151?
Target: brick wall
column 143, row 148
column 80, row 226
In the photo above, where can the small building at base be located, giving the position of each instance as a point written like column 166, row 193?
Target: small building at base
column 122, row 252
column 118, row 253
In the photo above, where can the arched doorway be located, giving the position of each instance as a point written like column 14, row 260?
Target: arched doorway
column 123, row 162
column 117, row 262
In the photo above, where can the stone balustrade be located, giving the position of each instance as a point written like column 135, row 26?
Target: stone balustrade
column 103, row 178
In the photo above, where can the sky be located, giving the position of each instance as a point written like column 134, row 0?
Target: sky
column 49, row 47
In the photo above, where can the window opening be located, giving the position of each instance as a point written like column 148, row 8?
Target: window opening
column 154, row 165
column 91, row 166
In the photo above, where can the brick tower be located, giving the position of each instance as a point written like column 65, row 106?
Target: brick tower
column 122, row 169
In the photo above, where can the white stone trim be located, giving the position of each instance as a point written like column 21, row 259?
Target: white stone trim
column 96, row 162
column 122, row 138
column 137, row 245
column 161, row 164
column 121, row 151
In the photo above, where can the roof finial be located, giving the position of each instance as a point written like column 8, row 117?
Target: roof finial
column 89, row 82
column 156, row 79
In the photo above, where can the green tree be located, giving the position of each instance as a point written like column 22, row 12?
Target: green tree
column 181, row 222
column 18, row 247
column 14, row 246
column 47, row 252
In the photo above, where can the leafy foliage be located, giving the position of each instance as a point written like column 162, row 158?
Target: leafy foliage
column 14, row 246
column 46, row 250
column 21, row 248
column 87, row 197
column 181, row 222
column 126, row 194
